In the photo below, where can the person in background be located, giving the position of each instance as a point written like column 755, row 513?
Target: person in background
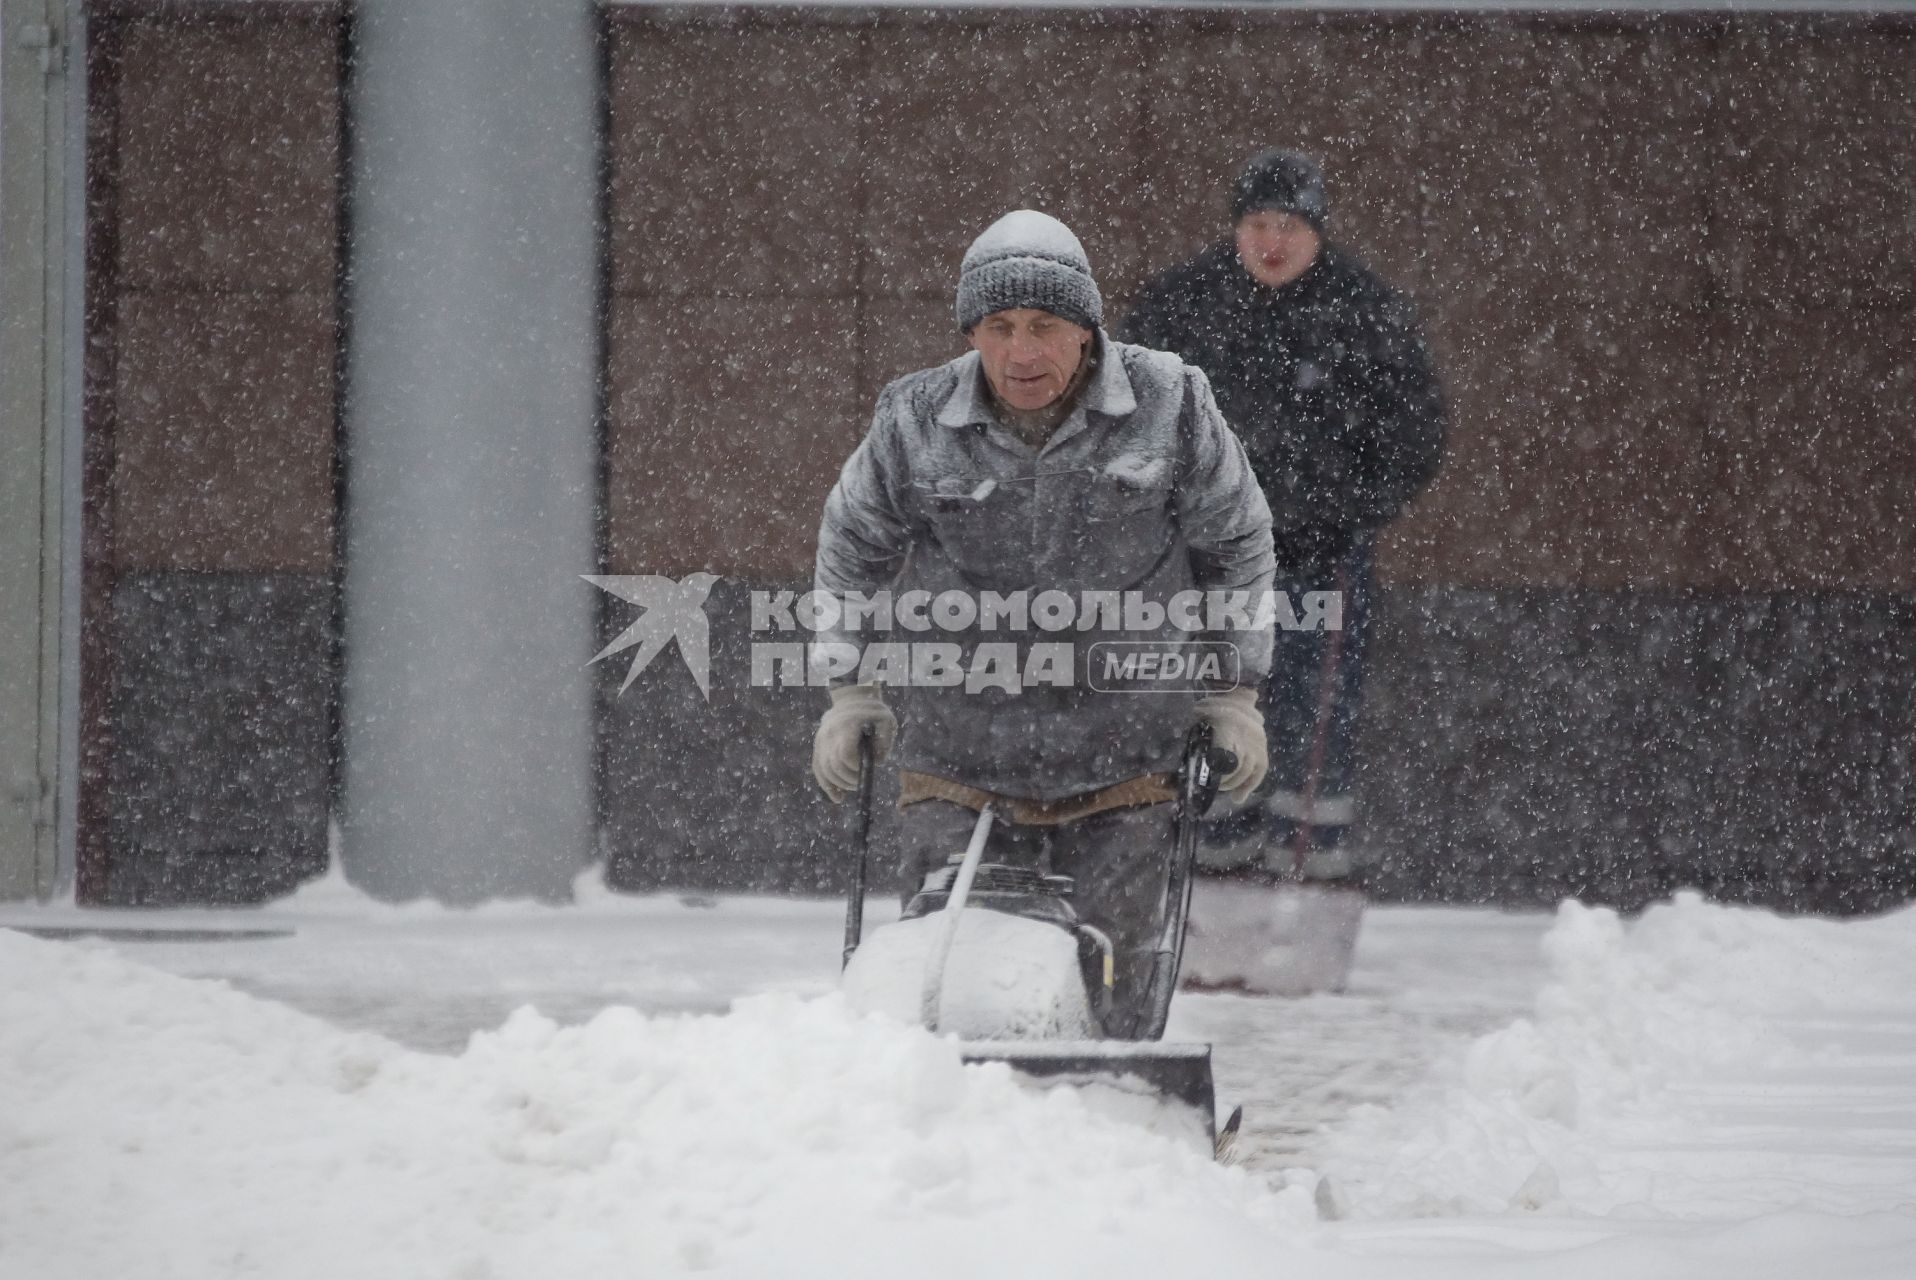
column 1321, row 368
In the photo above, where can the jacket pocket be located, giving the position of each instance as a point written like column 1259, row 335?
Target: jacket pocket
column 1119, row 498
column 974, row 520
column 956, row 494
column 1127, row 524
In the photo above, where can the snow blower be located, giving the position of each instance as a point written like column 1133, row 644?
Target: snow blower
column 1030, row 983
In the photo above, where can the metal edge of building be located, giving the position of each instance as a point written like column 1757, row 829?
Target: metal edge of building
column 1837, row 9
column 39, row 146
column 72, row 463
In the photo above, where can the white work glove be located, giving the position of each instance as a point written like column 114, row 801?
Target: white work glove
column 1237, row 727
column 835, row 746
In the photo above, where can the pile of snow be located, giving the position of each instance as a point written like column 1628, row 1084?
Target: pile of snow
column 1707, row 1062
column 1706, row 1092
column 1006, row 977
column 164, row 1127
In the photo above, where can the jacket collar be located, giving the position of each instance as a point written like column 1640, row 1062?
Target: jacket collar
column 1109, row 393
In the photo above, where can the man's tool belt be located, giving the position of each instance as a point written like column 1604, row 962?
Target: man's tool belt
column 1151, row 788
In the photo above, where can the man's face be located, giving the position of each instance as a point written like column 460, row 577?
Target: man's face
column 1029, row 355
column 1276, row 247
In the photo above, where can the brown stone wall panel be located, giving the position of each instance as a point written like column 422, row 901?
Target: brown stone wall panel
column 1350, row 97
column 1566, row 165
column 969, row 122
column 729, row 422
column 1575, row 456
column 1816, row 205
column 1421, row 547
column 1458, row 530
column 1813, row 441
column 225, row 433
column 229, row 155
column 901, row 335
column 734, row 160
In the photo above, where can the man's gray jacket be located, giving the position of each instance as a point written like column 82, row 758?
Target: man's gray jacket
column 1143, row 489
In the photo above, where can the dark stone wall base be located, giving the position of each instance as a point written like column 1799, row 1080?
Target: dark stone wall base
column 719, row 795
column 1523, row 747
column 221, row 736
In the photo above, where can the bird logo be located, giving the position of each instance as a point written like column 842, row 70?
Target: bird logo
column 673, row 611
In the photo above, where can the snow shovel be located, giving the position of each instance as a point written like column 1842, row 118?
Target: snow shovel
column 1146, row 1067
column 1297, row 936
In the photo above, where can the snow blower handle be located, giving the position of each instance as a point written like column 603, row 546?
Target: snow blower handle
column 1204, row 766
column 861, row 847
column 1219, row 764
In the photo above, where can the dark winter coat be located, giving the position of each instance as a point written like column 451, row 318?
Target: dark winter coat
column 1327, row 380
column 1142, row 488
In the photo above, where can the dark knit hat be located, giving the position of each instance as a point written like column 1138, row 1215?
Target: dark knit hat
column 1288, row 181
column 1028, row 259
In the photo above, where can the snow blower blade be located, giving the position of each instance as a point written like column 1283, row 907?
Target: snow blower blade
column 1179, row 1073
column 1034, row 989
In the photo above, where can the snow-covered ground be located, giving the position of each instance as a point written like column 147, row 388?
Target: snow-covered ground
column 649, row 1086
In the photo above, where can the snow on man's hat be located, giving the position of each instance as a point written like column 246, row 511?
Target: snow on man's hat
column 1289, row 181
column 1028, row 259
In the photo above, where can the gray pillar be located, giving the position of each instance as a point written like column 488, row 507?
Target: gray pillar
column 471, row 442
column 41, row 101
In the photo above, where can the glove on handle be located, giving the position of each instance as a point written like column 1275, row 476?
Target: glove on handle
column 1238, row 727
column 835, row 746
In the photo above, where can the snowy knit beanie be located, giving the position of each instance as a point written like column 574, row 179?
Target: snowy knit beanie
column 1289, row 181
column 1028, row 259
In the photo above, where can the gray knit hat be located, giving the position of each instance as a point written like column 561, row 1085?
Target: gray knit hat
column 1028, row 259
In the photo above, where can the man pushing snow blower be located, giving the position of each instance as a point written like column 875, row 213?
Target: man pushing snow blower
column 1081, row 562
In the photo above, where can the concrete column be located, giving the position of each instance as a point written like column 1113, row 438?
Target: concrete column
column 471, row 440
column 41, row 101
